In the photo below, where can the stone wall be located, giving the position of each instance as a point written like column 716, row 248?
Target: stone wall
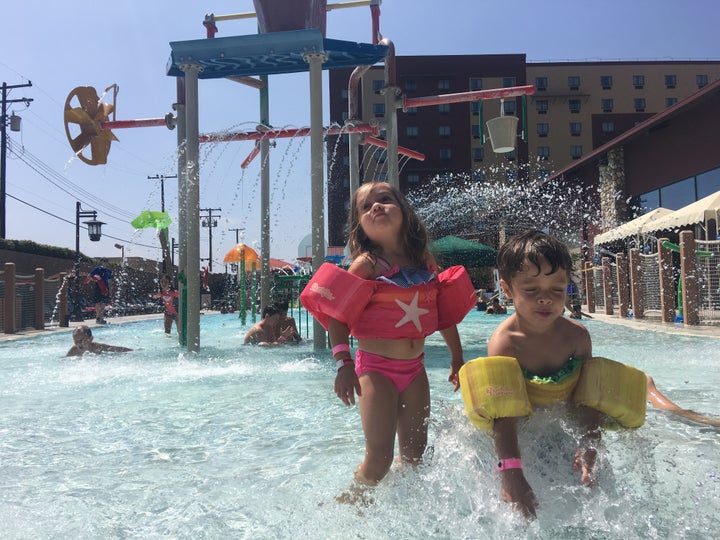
column 614, row 208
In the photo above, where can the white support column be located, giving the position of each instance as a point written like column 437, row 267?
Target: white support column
column 182, row 201
column 317, row 177
column 192, row 206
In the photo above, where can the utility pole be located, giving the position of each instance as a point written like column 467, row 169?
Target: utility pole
column 3, row 146
column 162, row 179
column 209, row 221
column 237, row 234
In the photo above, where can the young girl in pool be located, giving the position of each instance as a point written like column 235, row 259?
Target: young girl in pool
column 389, row 299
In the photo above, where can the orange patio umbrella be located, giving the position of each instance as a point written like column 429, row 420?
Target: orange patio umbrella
column 241, row 253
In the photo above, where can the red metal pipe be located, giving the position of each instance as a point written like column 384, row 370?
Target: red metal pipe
column 401, row 149
column 375, row 17
column 144, row 122
column 284, row 133
column 496, row 93
column 252, row 155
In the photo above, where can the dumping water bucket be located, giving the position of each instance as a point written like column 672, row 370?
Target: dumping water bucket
column 503, row 133
column 286, row 15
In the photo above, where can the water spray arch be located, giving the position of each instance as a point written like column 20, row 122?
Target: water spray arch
column 279, row 48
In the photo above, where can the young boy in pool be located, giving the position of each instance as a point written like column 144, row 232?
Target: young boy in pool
column 83, row 339
column 534, row 272
column 554, row 354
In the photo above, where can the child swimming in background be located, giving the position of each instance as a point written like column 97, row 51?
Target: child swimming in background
column 537, row 357
column 83, row 343
column 390, row 299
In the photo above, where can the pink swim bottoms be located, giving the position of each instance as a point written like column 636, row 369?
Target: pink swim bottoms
column 400, row 372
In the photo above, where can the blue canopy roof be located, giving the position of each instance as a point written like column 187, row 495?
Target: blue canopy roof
column 265, row 54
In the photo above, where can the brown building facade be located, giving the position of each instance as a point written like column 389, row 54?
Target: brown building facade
column 576, row 108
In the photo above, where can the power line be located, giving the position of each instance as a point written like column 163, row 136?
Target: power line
column 72, row 223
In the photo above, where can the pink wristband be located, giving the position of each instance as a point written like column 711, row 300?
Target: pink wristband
column 343, row 347
column 509, row 463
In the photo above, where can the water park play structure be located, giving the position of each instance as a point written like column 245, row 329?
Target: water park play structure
column 291, row 39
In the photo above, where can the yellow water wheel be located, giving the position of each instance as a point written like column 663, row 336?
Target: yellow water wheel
column 84, row 114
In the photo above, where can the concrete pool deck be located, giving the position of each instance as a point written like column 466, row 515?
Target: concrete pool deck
column 646, row 324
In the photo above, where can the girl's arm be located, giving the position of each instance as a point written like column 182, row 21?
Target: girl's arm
column 452, row 340
column 346, row 380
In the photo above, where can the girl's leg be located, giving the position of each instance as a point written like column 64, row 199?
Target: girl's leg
column 378, row 411
column 413, row 414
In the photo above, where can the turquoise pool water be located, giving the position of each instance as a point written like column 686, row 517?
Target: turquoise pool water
column 246, row 442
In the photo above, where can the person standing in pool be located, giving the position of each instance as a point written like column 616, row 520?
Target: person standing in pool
column 389, row 299
column 169, row 297
column 101, row 277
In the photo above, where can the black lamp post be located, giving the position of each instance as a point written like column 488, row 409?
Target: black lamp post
column 95, row 233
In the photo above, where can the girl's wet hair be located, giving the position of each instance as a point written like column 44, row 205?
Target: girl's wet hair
column 532, row 246
column 414, row 235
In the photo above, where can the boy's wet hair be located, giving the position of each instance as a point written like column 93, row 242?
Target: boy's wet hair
column 270, row 310
column 82, row 331
column 532, row 246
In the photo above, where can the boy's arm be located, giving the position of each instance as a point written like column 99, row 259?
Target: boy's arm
column 591, row 419
column 452, row 340
column 515, row 488
column 104, row 347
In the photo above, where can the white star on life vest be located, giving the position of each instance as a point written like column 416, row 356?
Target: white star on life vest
column 412, row 312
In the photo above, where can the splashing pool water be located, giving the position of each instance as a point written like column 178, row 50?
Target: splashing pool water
column 247, row 442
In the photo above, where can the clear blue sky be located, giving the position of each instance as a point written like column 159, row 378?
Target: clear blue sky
column 61, row 45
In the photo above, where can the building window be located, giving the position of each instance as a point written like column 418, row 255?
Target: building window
column 381, row 156
column 346, row 161
column 541, row 83
column 639, row 82
column 607, row 105
column 701, row 80
column 346, row 182
column 606, row 82
column 344, row 93
column 444, row 84
column 444, row 108
column 444, row 131
column 411, row 110
column 543, row 152
column 508, row 82
column 413, row 178
column 669, row 102
column 670, row 81
column 379, row 109
column 574, row 83
column 475, row 84
column 541, row 106
column 344, row 115
column 475, row 128
column 411, row 131
column 478, row 154
column 575, row 129
column 475, row 107
column 410, row 85
column 509, row 107
column 576, row 151
column 639, row 104
column 377, row 85
column 381, row 177
column 543, row 129
column 445, row 153
column 574, row 106
column 608, row 127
